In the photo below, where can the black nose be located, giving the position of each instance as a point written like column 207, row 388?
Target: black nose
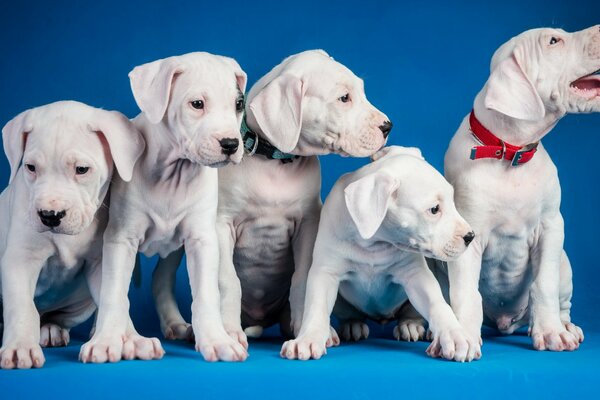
column 468, row 238
column 229, row 146
column 386, row 128
column 51, row 218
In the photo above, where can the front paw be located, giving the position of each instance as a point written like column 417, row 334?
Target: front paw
column 304, row 347
column 52, row 335
column 139, row 347
column 410, row 330
column 21, row 356
column 237, row 334
column 354, row 330
column 179, row 331
column 455, row 344
column 102, row 348
column 333, row 339
column 555, row 338
column 222, row 348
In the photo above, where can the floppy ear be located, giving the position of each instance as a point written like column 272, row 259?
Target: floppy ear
column 277, row 109
column 367, row 200
column 240, row 75
column 124, row 140
column 151, row 86
column 397, row 150
column 510, row 92
column 14, row 134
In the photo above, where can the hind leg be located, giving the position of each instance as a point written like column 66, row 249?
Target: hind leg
column 56, row 325
column 566, row 292
column 411, row 325
column 172, row 323
column 353, row 326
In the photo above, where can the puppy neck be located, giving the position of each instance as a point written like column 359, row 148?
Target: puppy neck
column 511, row 130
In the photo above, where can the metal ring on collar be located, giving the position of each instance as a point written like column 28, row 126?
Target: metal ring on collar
column 254, row 147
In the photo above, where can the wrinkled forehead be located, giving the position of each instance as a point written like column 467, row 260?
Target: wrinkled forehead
column 529, row 40
column 206, row 76
column 61, row 135
column 323, row 70
column 418, row 181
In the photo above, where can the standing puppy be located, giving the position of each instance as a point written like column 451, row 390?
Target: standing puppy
column 376, row 226
column 54, row 212
column 191, row 112
column 507, row 187
column 269, row 206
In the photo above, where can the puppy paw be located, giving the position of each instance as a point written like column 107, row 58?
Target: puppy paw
column 354, row 330
column 575, row 330
column 21, row 356
column 410, row 330
column 333, row 339
column 52, row 335
column 304, row 348
column 100, row 349
column 221, row 349
column 139, row 347
column 238, row 335
column 179, row 331
column 455, row 344
column 558, row 338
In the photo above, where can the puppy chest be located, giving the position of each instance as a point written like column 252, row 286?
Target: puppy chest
column 58, row 277
column 373, row 293
column 264, row 240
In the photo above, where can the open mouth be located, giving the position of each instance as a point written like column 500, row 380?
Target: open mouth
column 587, row 86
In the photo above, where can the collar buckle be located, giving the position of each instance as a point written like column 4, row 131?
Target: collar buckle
column 252, row 151
column 525, row 149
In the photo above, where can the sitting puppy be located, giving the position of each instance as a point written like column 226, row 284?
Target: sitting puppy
column 54, row 212
column 507, row 187
column 376, row 226
column 269, row 205
column 191, row 112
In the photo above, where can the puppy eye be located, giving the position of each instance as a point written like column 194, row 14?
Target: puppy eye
column 239, row 105
column 197, row 104
column 345, row 98
column 435, row 210
column 30, row 167
column 81, row 170
column 554, row 40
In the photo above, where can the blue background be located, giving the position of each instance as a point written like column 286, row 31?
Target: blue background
column 422, row 62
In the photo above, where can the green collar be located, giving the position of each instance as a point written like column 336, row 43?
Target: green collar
column 255, row 145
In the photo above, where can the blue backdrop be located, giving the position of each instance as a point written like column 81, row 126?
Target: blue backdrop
column 422, row 62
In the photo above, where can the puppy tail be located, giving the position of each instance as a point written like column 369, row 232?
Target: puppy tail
column 254, row 331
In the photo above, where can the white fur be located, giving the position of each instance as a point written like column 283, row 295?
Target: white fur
column 53, row 273
column 517, row 259
column 269, row 211
column 171, row 200
column 376, row 226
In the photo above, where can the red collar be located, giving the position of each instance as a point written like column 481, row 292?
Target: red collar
column 494, row 147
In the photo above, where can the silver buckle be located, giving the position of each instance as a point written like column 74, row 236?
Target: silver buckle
column 524, row 149
column 254, row 146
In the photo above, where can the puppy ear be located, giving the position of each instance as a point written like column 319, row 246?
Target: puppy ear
column 151, row 86
column 510, row 92
column 397, row 150
column 124, row 140
column 14, row 135
column 277, row 109
column 367, row 200
column 240, row 75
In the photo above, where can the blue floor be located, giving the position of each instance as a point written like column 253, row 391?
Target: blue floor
column 377, row 368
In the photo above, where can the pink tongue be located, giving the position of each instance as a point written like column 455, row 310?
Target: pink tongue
column 587, row 83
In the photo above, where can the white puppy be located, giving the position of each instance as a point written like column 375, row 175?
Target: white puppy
column 269, row 206
column 512, row 201
column 54, row 212
column 191, row 112
column 376, row 226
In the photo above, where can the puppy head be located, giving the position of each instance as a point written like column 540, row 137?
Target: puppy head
column 405, row 201
column 546, row 72
column 311, row 105
column 67, row 151
column 199, row 97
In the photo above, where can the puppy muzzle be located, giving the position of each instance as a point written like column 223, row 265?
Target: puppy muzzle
column 51, row 218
